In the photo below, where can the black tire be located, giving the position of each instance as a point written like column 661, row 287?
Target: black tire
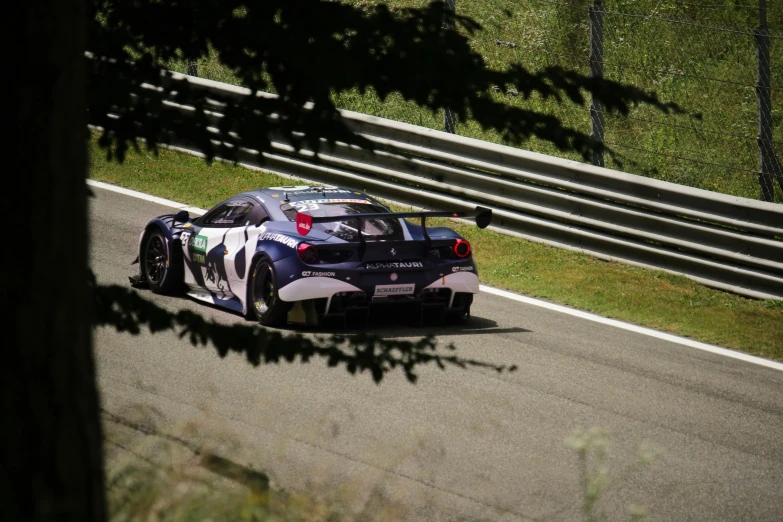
column 161, row 273
column 460, row 313
column 263, row 301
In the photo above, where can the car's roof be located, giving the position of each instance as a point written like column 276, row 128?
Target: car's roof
column 307, row 192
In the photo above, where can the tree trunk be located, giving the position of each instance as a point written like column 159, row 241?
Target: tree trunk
column 52, row 465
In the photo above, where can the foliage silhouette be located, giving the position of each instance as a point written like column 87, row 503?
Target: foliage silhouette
column 305, row 50
column 128, row 311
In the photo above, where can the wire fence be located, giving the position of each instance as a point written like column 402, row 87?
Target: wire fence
column 705, row 56
column 702, row 56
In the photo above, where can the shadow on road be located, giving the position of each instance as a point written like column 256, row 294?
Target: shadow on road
column 255, row 480
column 385, row 325
column 400, row 326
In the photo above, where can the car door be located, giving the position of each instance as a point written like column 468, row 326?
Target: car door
column 212, row 244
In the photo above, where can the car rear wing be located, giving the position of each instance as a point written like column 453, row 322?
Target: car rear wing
column 482, row 216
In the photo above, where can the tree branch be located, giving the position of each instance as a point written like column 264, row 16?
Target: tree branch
column 269, row 45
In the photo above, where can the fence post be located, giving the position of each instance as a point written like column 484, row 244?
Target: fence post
column 449, row 118
column 597, row 71
column 766, row 154
column 192, row 69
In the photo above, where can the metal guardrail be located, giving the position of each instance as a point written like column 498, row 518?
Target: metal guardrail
column 728, row 242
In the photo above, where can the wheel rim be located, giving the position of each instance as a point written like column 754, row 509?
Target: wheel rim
column 155, row 262
column 263, row 289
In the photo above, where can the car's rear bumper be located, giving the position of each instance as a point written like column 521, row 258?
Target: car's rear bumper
column 341, row 294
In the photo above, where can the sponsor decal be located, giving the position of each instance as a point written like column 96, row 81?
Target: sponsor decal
column 305, row 206
column 199, row 257
column 394, row 289
column 186, row 225
column 304, row 223
column 362, row 201
column 312, row 204
column 462, row 269
column 394, row 264
column 308, row 189
column 291, row 188
column 199, row 243
column 325, row 190
column 318, row 274
column 280, row 238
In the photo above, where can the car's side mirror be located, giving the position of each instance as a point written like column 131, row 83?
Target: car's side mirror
column 182, row 216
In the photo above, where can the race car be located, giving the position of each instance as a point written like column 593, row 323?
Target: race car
column 305, row 254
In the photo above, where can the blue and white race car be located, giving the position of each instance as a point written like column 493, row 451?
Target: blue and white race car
column 303, row 254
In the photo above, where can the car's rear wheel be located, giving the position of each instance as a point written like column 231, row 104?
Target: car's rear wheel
column 263, row 299
column 460, row 310
column 161, row 274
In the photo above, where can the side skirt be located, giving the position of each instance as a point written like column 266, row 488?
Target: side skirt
column 233, row 303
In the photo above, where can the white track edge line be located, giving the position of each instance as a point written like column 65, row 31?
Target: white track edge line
column 511, row 295
column 634, row 328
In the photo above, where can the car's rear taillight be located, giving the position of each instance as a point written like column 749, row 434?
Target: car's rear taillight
column 461, row 248
column 307, row 253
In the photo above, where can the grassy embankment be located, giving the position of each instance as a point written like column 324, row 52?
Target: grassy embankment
column 710, row 73
column 650, row 298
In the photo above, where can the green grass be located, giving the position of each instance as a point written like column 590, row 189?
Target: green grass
column 650, row 298
column 150, row 479
column 672, row 59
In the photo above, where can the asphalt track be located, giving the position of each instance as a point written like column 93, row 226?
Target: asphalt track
column 461, row 444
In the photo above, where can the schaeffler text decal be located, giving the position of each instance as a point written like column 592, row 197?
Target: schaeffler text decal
column 381, row 290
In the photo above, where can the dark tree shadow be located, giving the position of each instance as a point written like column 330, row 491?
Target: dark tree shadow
column 306, row 50
column 126, row 311
column 391, row 326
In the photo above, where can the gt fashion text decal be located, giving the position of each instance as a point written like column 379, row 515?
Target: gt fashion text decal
column 317, row 274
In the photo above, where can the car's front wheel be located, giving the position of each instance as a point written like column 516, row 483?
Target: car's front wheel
column 263, row 298
column 161, row 274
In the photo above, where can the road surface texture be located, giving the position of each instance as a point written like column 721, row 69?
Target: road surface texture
column 460, row 444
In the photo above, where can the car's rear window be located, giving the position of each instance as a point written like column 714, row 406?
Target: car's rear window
column 373, row 229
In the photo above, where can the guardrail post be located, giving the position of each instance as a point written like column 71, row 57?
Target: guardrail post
column 767, row 163
column 597, row 71
column 449, row 118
